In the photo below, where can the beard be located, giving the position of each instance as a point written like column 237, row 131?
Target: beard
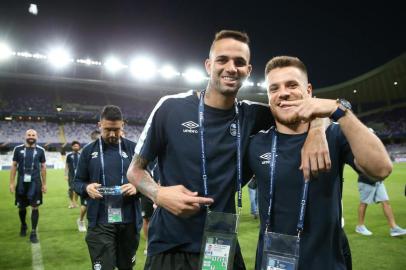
column 224, row 89
column 112, row 140
column 288, row 119
column 31, row 141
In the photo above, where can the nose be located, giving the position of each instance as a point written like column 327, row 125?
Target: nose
column 284, row 93
column 231, row 67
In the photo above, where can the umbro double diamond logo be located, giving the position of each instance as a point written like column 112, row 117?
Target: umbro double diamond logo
column 266, row 158
column 190, row 127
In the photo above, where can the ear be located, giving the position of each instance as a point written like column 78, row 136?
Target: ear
column 207, row 65
column 309, row 89
column 249, row 70
column 99, row 124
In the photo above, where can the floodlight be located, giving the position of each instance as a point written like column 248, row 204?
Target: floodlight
column 5, row 51
column 168, row 72
column 113, row 64
column 395, row 83
column 193, row 75
column 143, row 68
column 33, row 9
column 247, row 83
column 59, row 58
column 262, row 84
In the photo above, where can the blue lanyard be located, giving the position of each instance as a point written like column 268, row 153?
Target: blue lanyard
column 102, row 161
column 33, row 157
column 272, row 169
column 75, row 165
column 203, row 152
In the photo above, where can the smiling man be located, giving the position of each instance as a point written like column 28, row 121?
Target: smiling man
column 198, row 138
column 29, row 161
column 294, row 208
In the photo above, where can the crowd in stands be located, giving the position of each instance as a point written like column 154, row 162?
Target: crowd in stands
column 50, row 132
column 13, row 131
column 389, row 124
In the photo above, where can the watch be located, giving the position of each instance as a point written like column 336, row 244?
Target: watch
column 343, row 106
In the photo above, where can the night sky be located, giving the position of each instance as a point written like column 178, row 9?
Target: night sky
column 337, row 40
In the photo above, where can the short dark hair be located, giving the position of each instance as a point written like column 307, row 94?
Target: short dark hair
column 285, row 61
column 111, row 113
column 233, row 34
column 75, row 142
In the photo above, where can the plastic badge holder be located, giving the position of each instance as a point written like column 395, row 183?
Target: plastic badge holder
column 114, row 201
column 219, row 241
column 280, row 252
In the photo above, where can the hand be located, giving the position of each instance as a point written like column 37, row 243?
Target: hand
column 128, row 190
column 315, row 153
column 12, row 187
column 44, row 188
column 309, row 108
column 180, row 201
column 91, row 189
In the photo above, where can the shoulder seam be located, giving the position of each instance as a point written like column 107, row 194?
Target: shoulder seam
column 147, row 126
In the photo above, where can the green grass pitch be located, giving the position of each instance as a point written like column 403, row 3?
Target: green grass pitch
column 63, row 247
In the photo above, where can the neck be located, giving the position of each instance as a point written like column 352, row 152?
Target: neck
column 217, row 100
column 292, row 129
column 30, row 145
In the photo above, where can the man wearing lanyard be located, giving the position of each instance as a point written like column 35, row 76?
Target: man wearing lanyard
column 71, row 164
column 306, row 211
column 114, row 213
column 199, row 139
column 29, row 160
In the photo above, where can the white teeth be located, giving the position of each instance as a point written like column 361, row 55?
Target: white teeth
column 227, row 78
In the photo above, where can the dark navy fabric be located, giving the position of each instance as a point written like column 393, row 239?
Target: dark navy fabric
column 320, row 246
column 89, row 171
column 364, row 179
column 172, row 135
column 72, row 160
column 24, row 165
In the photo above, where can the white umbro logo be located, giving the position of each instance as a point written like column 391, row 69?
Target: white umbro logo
column 95, row 154
column 190, row 127
column 124, row 155
column 266, row 158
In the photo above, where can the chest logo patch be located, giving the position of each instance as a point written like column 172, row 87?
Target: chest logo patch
column 190, row 127
column 265, row 158
column 124, row 155
column 95, row 154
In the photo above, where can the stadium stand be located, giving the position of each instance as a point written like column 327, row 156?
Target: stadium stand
column 65, row 106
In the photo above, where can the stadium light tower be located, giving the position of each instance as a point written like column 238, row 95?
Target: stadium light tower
column 247, row 83
column 193, row 75
column 113, row 64
column 143, row 68
column 59, row 58
column 5, row 51
column 168, row 72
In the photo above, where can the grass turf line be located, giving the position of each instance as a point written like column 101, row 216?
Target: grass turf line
column 63, row 247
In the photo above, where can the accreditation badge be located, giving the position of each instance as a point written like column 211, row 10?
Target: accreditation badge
column 114, row 202
column 280, row 252
column 219, row 241
column 27, row 178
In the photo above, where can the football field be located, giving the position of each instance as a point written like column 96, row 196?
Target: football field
column 63, row 247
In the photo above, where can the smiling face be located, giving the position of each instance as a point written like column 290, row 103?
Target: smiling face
column 228, row 66
column 286, row 83
column 31, row 137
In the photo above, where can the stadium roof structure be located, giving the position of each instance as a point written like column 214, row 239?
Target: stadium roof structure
column 383, row 88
